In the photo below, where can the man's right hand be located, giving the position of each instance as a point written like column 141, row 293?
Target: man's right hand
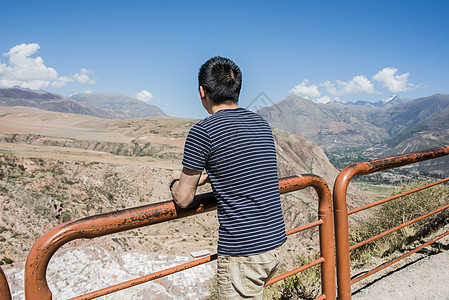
column 204, row 179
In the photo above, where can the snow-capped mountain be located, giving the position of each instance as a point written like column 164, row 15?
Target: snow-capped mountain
column 384, row 103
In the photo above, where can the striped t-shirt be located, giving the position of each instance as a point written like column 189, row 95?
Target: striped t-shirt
column 236, row 148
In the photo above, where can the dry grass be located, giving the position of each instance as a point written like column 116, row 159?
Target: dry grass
column 396, row 212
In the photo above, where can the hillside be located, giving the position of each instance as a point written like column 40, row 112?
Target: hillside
column 120, row 106
column 57, row 167
column 429, row 133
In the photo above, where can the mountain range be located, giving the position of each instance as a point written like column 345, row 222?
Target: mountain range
column 387, row 102
column 111, row 106
column 336, row 126
column 388, row 128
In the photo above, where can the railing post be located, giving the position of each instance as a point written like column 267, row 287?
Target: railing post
column 342, row 234
column 326, row 230
column 5, row 293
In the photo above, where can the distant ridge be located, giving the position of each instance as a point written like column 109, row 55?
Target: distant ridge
column 111, row 106
column 121, row 106
column 47, row 101
column 387, row 102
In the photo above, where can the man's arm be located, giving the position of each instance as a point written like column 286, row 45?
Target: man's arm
column 184, row 190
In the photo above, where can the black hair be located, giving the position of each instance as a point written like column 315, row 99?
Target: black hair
column 221, row 79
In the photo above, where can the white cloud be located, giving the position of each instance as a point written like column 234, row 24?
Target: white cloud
column 357, row 85
column 84, row 76
column 306, row 91
column 394, row 83
column 324, row 99
column 31, row 72
column 61, row 81
column 144, row 96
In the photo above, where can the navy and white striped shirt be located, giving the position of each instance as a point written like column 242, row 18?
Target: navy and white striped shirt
column 236, row 148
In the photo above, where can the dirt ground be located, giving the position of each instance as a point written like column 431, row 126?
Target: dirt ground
column 423, row 275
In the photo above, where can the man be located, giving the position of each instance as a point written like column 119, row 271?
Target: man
column 236, row 148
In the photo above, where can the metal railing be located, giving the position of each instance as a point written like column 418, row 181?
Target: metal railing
column 36, row 286
column 341, row 212
column 5, row 293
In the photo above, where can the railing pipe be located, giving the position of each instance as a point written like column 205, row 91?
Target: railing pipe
column 5, row 293
column 36, row 286
column 143, row 279
column 341, row 209
column 89, row 227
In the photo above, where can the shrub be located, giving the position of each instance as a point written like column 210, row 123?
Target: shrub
column 7, row 260
column 305, row 285
column 396, row 212
column 213, row 288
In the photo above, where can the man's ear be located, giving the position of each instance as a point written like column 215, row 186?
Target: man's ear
column 202, row 92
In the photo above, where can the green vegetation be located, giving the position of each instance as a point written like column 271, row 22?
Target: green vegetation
column 380, row 191
column 349, row 156
column 7, row 260
column 406, row 134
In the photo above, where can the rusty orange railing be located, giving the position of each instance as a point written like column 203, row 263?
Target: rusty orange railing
column 36, row 286
column 5, row 293
column 341, row 212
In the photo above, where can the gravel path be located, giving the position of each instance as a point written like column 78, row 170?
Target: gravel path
column 423, row 277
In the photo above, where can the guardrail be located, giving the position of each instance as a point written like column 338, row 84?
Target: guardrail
column 36, row 286
column 341, row 212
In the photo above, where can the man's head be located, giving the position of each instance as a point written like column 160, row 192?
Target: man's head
column 221, row 80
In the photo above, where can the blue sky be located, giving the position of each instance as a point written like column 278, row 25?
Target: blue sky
column 346, row 50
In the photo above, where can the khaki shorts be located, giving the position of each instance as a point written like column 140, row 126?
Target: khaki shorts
column 244, row 277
